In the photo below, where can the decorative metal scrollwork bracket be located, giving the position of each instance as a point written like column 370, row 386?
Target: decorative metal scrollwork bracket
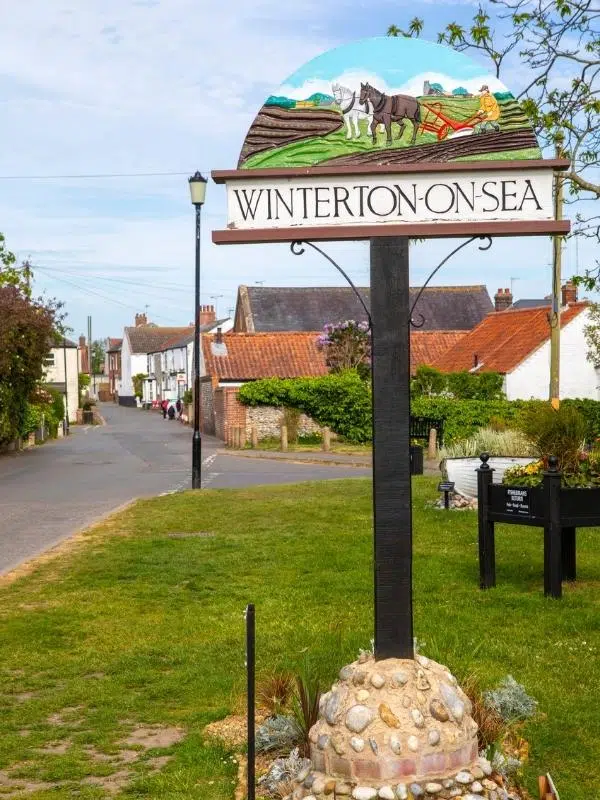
column 486, row 246
column 298, row 249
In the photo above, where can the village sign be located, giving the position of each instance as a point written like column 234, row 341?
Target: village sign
column 388, row 139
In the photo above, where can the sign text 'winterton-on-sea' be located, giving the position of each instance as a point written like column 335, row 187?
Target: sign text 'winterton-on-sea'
column 314, row 200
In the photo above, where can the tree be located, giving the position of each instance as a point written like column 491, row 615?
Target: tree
column 346, row 345
column 428, row 381
column 98, row 356
column 592, row 335
column 27, row 330
column 557, row 45
column 138, row 384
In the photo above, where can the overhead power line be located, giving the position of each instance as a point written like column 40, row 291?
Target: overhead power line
column 96, row 175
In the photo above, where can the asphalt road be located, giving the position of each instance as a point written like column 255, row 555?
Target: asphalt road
column 49, row 492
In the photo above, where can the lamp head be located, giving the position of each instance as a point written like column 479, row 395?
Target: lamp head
column 197, row 189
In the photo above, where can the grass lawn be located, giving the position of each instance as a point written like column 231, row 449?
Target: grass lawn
column 347, row 448
column 135, row 627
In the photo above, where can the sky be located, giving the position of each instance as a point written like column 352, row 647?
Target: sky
column 108, row 106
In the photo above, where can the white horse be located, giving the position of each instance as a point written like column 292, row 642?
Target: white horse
column 352, row 111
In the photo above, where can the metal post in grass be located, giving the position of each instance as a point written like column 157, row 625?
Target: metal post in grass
column 552, row 531
column 391, row 447
column 487, row 544
column 250, row 676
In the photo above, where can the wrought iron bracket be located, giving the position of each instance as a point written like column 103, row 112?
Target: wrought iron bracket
column 485, row 246
column 298, row 249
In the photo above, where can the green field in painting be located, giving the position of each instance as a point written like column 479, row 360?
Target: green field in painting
column 311, row 151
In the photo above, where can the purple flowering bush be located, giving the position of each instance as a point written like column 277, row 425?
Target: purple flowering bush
column 347, row 345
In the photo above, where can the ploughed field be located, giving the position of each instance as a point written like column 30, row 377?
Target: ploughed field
column 298, row 138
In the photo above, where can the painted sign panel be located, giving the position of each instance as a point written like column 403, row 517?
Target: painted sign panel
column 391, row 101
column 517, row 502
column 460, row 196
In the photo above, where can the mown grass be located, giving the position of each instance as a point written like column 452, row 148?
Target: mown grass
column 135, row 626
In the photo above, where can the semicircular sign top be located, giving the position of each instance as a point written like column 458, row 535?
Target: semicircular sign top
column 388, row 100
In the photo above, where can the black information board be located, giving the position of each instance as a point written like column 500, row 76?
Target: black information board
column 517, row 502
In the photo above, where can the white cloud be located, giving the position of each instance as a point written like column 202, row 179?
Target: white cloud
column 353, row 79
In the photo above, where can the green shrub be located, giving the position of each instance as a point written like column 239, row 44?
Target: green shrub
column 340, row 401
column 556, row 432
column 461, row 385
column 188, row 397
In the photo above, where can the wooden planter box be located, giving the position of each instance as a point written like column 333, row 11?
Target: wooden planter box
column 556, row 509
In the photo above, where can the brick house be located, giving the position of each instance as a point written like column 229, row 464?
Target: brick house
column 113, row 365
column 232, row 359
column 516, row 343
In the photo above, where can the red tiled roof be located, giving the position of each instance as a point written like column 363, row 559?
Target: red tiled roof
column 114, row 344
column 426, row 347
column 250, row 356
column 504, row 339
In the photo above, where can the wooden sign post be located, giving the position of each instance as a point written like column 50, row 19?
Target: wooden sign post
column 327, row 161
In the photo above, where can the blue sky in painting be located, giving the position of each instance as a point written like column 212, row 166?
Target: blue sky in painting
column 396, row 60
column 108, row 106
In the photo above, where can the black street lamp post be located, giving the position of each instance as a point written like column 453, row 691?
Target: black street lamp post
column 198, row 193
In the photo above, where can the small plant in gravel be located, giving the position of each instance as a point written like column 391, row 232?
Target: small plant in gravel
column 273, row 692
column 278, row 780
column 511, row 701
column 305, row 701
column 278, row 733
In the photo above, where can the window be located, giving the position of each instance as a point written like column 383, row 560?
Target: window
column 49, row 360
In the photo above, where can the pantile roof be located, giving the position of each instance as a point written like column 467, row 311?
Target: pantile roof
column 426, row 347
column 266, row 309
column 250, row 356
column 152, row 338
column 504, row 339
column 114, row 345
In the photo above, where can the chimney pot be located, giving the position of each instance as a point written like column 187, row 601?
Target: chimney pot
column 569, row 293
column 207, row 315
column 503, row 299
column 219, row 336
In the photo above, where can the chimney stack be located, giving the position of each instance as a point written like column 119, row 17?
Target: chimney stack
column 219, row 336
column 82, row 341
column 207, row 315
column 140, row 319
column 569, row 293
column 503, row 299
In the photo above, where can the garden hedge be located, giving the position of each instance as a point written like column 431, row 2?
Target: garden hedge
column 342, row 402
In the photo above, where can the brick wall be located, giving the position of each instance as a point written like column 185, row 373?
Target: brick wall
column 228, row 411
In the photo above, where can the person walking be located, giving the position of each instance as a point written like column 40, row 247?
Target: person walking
column 164, row 405
column 171, row 411
column 179, row 407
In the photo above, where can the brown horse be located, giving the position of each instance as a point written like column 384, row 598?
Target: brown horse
column 386, row 109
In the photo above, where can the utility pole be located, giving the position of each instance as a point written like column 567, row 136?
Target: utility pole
column 90, row 352
column 556, row 295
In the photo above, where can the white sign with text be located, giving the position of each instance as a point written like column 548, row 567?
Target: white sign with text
column 348, row 200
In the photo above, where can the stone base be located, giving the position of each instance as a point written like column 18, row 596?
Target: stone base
column 396, row 729
column 320, row 786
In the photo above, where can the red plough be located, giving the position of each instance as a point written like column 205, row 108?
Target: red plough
column 435, row 121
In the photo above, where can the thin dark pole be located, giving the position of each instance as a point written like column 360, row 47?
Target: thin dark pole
column 197, row 439
column 250, row 670
column 391, row 447
column 66, row 419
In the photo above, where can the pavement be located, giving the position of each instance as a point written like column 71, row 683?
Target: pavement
column 48, row 493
